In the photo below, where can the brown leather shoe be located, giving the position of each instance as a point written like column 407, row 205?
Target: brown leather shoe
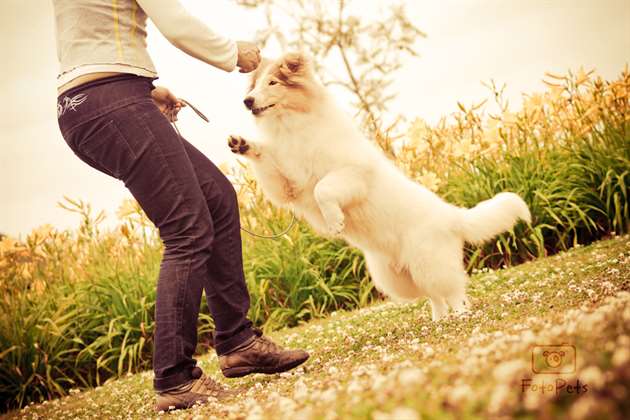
column 260, row 355
column 196, row 391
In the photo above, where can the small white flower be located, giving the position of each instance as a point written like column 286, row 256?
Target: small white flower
column 500, row 398
column 460, row 393
column 410, row 377
column 621, row 357
column 506, row 371
column 399, row 413
column 300, row 390
column 354, row 387
column 329, row 395
column 592, row 376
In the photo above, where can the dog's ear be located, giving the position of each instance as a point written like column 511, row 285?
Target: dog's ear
column 295, row 63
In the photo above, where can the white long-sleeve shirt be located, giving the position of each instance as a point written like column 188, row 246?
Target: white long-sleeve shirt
column 110, row 36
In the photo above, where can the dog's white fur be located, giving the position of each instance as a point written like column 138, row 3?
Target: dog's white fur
column 312, row 158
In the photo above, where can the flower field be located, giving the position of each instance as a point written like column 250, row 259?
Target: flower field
column 390, row 362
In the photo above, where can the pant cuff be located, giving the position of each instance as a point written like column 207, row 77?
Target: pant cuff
column 172, row 381
column 234, row 342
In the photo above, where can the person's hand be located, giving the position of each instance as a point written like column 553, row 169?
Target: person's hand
column 248, row 56
column 167, row 103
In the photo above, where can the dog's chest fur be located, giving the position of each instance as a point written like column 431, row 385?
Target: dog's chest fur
column 298, row 168
column 303, row 150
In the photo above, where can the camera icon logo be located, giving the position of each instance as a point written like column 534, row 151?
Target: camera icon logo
column 553, row 358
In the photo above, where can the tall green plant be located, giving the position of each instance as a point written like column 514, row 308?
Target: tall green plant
column 577, row 193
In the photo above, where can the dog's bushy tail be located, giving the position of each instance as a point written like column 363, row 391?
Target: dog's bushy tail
column 491, row 217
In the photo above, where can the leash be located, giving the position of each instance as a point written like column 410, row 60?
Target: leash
column 257, row 235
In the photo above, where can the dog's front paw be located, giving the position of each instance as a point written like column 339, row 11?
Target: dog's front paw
column 238, row 145
column 337, row 226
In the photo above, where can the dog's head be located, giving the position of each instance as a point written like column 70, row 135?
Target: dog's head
column 284, row 85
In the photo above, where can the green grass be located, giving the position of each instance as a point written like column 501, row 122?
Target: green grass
column 94, row 318
column 302, row 276
column 390, row 361
column 577, row 193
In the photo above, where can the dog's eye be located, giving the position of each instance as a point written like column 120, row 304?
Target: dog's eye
column 272, row 82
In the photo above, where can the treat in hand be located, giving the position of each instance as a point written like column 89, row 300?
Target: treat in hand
column 248, row 56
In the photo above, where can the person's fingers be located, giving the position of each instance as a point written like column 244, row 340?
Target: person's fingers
column 170, row 97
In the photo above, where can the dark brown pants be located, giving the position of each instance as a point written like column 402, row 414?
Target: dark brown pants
column 113, row 125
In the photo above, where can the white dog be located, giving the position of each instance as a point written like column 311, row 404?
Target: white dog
column 312, row 159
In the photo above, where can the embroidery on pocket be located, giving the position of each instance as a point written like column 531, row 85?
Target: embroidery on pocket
column 70, row 103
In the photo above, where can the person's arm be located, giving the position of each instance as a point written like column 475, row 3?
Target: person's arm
column 191, row 35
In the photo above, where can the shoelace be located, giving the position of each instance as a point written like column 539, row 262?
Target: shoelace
column 211, row 385
column 268, row 345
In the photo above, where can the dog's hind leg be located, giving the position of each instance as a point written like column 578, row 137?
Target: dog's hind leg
column 444, row 280
column 337, row 189
column 396, row 284
column 439, row 308
column 457, row 298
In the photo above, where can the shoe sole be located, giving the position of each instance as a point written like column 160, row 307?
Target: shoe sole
column 178, row 406
column 186, row 405
column 240, row 371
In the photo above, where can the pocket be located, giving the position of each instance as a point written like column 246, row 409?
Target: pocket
column 107, row 150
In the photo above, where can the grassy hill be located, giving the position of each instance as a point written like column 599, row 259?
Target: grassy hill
column 389, row 361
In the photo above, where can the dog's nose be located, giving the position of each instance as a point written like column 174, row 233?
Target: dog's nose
column 249, row 102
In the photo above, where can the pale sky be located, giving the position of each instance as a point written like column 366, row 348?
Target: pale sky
column 469, row 41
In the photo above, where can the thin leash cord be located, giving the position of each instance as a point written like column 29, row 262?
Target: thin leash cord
column 274, row 236
column 257, row 235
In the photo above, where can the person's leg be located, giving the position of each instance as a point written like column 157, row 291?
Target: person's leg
column 227, row 284
column 201, row 250
column 136, row 144
column 117, row 129
column 163, row 182
column 226, row 290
